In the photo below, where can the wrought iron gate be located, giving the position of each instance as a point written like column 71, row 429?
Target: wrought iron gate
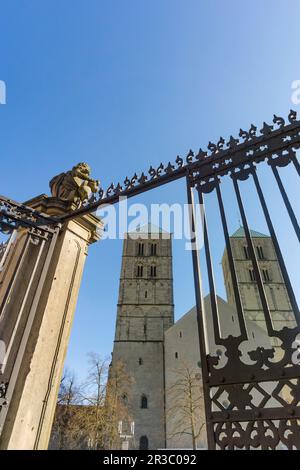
column 241, row 424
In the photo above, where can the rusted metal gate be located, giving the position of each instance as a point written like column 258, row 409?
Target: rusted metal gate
column 241, row 424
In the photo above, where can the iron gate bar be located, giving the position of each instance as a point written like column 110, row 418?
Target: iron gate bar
column 276, row 247
column 286, row 201
column 200, row 311
column 258, row 279
column 238, row 302
column 210, row 272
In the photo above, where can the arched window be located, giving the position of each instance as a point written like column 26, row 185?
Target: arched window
column 139, row 271
column 153, row 271
column 124, row 399
column 144, row 444
column 153, row 249
column 140, row 249
column 266, row 275
column 246, row 252
column 260, row 252
column 144, row 401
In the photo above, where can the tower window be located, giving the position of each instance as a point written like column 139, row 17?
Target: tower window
column 153, row 249
column 153, row 271
column 144, row 401
column 266, row 275
column 252, row 275
column 141, row 249
column 273, row 298
column 176, row 355
column 246, row 252
column 139, row 271
column 140, row 361
column 144, row 444
column 124, row 399
column 260, row 252
column 145, row 328
column 180, row 334
column 146, row 294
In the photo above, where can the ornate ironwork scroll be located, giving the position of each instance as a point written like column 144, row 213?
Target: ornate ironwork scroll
column 14, row 215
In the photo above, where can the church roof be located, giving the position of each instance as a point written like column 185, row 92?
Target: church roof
column 240, row 233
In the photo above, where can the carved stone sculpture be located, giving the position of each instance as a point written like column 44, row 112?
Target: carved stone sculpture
column 75, row 185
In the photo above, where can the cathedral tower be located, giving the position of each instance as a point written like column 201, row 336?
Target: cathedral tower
column 145, row 310
column 274, row 285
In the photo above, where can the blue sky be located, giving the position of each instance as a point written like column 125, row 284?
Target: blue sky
column 123, row 84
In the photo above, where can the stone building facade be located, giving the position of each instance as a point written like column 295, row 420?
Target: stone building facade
column 145, row 311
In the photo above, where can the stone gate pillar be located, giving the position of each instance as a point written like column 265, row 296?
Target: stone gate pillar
column 39, row 284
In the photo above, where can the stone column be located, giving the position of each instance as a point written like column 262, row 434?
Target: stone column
column 39, row 286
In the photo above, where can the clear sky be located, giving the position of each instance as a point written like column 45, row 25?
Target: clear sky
column 123, row 84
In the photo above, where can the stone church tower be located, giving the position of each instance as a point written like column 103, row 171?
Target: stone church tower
column 274, row 285
column 145, row 310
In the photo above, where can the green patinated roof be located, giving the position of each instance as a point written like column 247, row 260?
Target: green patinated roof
column 240, row 233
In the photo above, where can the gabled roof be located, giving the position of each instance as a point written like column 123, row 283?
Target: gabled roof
column 240, row 233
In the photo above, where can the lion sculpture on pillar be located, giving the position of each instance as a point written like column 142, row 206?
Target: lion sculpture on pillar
column 75, row 185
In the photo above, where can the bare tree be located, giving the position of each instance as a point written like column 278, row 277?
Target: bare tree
column 93, row 399
column 185, row 407
column 87, row 415
column 64, row 430
column 103, row 396
column 69, row 389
